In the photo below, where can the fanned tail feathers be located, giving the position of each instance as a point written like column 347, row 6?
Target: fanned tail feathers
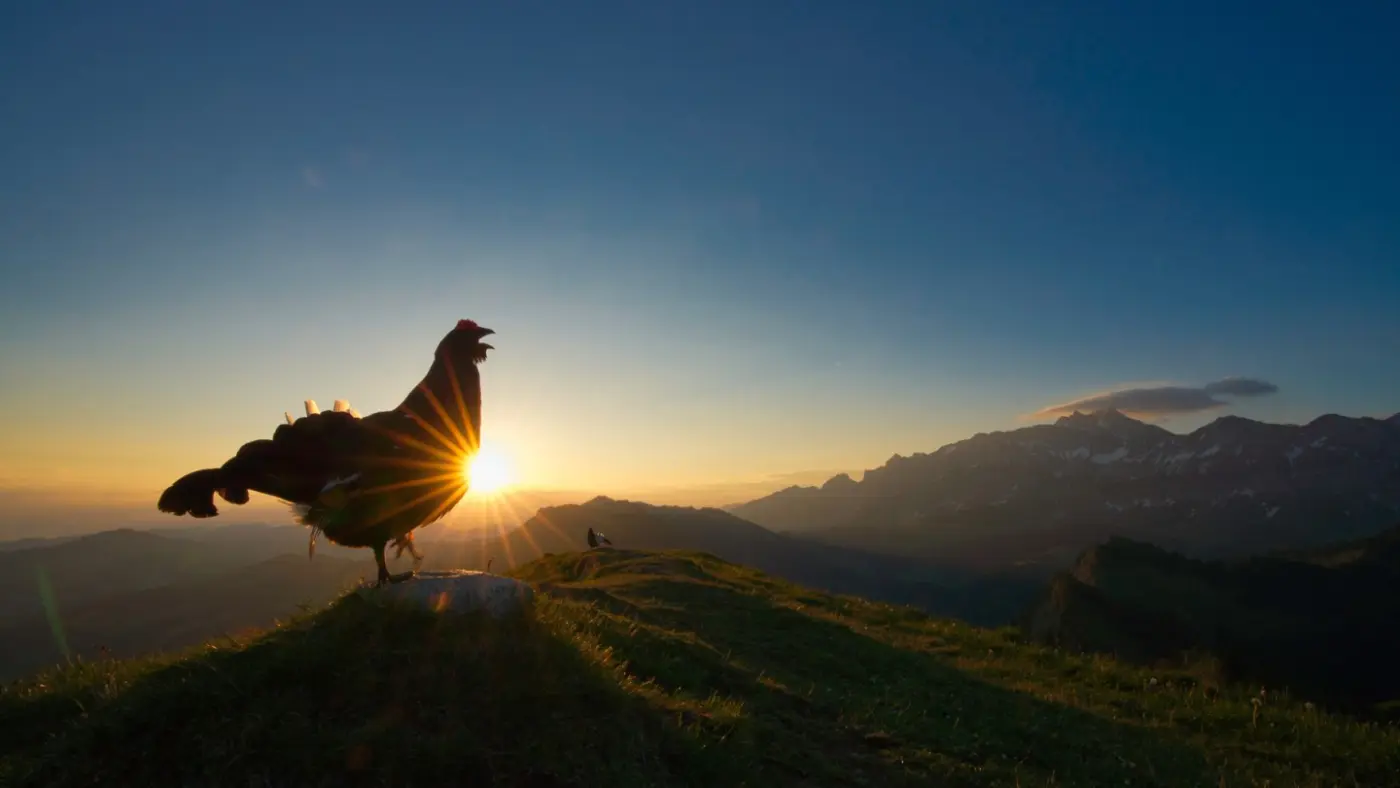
column 193, row 494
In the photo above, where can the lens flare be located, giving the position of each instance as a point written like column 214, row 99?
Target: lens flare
column 489, row 472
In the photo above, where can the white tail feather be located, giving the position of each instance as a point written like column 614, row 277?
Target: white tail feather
column 334, row 483
column 354, row 413
column 288, row 414
column 342, row 406
column 311, row 409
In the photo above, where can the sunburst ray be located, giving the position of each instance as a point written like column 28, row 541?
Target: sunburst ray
column 535, row 549
column 409, row 462
column 406, row 483
column 505, row 546
column 515, row 510
column 401, row 508
column 434, row 432
column 443, row 508
column 461, row 444
column 417, row 444
column 547, row 523
column 473, row 440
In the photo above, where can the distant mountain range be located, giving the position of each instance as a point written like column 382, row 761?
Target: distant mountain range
column 1041, row 494
column 75, row 572
column 1321, row 622
column 131, row 592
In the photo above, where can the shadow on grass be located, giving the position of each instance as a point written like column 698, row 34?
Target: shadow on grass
column 356, row 696
column 827, row 705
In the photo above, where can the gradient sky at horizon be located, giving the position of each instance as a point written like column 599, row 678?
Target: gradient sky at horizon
column 720, row 242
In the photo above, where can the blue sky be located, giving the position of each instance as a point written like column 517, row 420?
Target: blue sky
column 718, row 240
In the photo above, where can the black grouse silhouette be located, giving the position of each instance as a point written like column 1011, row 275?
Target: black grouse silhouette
column 363, row 481
column 594, row 539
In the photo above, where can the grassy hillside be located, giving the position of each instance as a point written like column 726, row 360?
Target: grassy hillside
column 1322, row 623
column 661, row 669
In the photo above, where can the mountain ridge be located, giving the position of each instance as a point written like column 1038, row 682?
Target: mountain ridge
column 1041, row 493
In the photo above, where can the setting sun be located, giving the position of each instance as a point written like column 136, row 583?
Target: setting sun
column 488, row 472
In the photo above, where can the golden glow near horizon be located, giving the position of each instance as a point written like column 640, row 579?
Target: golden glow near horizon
column 489, row 472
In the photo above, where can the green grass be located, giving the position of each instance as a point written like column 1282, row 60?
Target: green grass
column 662, row 669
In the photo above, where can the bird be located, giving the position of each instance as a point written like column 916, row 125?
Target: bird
column 363, row 481
column 595, row 538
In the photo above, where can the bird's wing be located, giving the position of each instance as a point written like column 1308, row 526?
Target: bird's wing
column 304, row 457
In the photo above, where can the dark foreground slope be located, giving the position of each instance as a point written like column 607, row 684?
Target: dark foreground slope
column 1324, row 623
column 660, row 669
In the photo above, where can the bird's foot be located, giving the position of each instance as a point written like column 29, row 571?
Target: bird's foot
column 402, row 576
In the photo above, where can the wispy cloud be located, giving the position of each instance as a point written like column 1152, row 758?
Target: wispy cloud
column 1241, row 387
column 1158, row 401
column 312, row 177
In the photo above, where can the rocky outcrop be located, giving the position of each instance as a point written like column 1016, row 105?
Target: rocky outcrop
column 461, row 591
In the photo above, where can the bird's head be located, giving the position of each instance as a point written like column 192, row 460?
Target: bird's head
column 464, row 342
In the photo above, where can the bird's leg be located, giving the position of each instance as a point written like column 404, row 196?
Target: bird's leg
column 402, row 543
column 413, row 551
column 384, row 577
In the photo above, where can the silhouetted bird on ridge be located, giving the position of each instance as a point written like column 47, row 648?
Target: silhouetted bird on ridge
column 363, row 481
column 594, row 539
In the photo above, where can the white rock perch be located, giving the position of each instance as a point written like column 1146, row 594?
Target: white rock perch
column 462, row 591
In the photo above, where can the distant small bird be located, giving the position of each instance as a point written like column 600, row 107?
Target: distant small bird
column 595, row 538
column 363, row 481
